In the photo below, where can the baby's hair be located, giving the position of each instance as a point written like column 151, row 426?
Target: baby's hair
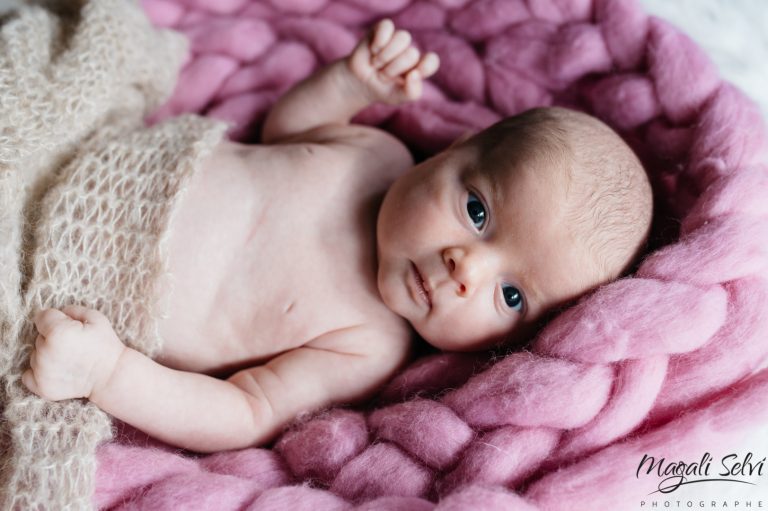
column 608, row 193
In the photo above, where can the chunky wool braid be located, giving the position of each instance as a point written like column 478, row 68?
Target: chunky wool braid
column 606, row 380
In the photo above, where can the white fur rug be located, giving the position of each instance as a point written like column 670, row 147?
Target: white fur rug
column 734, row 33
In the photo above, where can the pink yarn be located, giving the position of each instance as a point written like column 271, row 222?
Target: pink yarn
column 704, row 429
column 244, row 39
column 518, row 390
column 663, row 361
column 410, row 423
column 626, row 101
column 381, row 469
column 324, row 445
column 505, row 456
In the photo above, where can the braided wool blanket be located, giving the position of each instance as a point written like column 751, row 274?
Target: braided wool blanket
column 665, row 362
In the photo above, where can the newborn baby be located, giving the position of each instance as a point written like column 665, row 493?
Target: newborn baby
column 300, row 265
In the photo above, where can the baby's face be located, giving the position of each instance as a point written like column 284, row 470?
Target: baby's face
column 469, row 256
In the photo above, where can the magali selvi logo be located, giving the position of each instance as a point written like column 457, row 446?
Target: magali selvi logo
column 669, row 475
column 730, row 481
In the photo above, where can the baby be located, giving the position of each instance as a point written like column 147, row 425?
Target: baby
column 301, row 264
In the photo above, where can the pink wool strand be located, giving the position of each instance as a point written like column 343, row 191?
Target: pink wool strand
column 665, row 360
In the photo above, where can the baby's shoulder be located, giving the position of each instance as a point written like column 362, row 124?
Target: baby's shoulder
column 363, row 143
column 371, row 139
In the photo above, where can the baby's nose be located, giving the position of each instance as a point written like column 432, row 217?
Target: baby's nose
column 467, row 267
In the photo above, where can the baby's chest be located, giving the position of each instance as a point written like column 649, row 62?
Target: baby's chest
column 262, row 265
column 305, row 272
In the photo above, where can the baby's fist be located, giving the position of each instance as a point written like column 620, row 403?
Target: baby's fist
column 390, row 68
column 75, row 351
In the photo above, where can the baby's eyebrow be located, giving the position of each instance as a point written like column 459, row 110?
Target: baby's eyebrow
column 497, row 191
column 531, row 293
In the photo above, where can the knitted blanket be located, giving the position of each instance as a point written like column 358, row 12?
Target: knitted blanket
column 663, row 362
column 85, row 198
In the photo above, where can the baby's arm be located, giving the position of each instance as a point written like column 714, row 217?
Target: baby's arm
column 383, row 67
column 77, row 354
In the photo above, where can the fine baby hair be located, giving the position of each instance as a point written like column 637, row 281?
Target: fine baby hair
column 611, row 200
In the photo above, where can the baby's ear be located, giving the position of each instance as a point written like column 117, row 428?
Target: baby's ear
column 463, row 138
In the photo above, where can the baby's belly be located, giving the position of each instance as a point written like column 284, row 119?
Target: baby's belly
column 218, row 323
column 207, row 231
column 228, row 303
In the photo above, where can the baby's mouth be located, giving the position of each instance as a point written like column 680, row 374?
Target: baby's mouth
column 420, row 287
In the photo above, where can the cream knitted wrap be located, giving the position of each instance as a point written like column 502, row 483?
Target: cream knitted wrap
column 86, row 195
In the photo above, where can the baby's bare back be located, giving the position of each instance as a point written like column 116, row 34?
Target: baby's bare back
column 273, row 246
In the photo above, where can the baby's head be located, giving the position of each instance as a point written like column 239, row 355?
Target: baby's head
column 478, row 243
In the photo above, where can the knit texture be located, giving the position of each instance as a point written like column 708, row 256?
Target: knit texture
column 663, row 361
column 86, row 195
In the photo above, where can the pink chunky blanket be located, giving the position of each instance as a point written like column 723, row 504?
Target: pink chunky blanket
column 665, row 362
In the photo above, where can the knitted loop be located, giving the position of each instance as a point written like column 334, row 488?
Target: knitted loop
column 519, row 390
column 623, row 320
column 382, row 469
column 431, row 375
column 409, row 423
column 637, row 384
column 321, row 447
column 503, row 456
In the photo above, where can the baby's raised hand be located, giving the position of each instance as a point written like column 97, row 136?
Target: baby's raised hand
column 75, row 352
column 389, row 67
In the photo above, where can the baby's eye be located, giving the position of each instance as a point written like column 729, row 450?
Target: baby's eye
column 476, row 211
column 512, row 297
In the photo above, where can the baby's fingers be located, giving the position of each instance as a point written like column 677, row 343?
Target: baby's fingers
column 84, row 314
column 399, row 42
column 46, row 320
column 413, row 85
column 426, row 67
column 429, row 64
column 382, row 33
column 402, row 63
